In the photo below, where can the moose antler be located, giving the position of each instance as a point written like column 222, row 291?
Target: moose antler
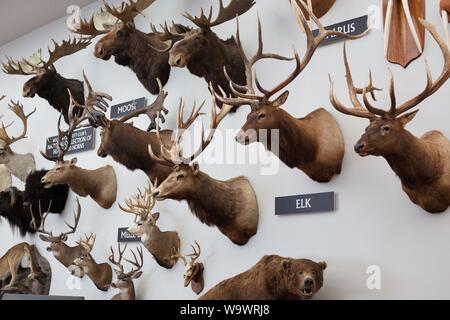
column 142, row 203
column 17, row 108
column 394, row 110
column 128, row 11
column 235, row 8
column 88, row 28
column 36, row 63
column 250, row 96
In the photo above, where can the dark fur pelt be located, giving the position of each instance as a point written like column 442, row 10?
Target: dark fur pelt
column 15, row 205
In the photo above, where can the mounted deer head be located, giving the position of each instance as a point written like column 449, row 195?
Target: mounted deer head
column 142, row 53
column 124, row 281
column 99, row 184
column 404, row 35
column 203, row 52
column 160, row 244
column 20, row 165
column 423, row 164
column 445, row 9
column 65, row 254
column 212, row 201
column 193, row 273
column 47, row 82
column 99, row 273
column 313, row 144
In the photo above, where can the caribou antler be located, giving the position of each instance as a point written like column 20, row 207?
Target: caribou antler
column 17, row 108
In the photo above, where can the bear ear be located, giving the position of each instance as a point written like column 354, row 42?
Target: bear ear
column 286, row 264
column 322, row 265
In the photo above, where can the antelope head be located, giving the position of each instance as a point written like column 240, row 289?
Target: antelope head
column 44, row 71
column 266, row 111
column 197, row 42
column 386, row 130
column 125, row 279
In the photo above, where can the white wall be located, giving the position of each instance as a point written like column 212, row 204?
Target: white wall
column 375, row 223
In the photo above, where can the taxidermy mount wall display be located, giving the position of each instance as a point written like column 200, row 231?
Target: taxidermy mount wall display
column 272, row 278
column 422, row 164
column 132, row 151
column 404, row 35
column 161, row 244
column 100, row 184
column 47, row 83
column 24, row 271
column 193, row 273
column 20, row 165
column 124, row 281
column 313, row 144
column 445, row 9
column 5, row 178
column 229, row 205
column 16, row 205
column 99, row 273
column 65, row 254
column 143, row 53
column 205, row 54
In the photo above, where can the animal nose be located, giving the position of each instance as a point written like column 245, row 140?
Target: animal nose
column 309, row 282
column 240, row 137
column 156, row 193
column 176, row 61
column 359, row 147
column 26, row 92
column 100, row 52
column 43, row 180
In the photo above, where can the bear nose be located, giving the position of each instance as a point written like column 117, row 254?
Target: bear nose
column 309, row 282
column 359, row 147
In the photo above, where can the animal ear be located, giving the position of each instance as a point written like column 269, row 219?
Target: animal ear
column 406, row 118
column 195, row 168
column 281, row 100
column 322, row 265
column 73, row 161
column 286, row 264
column 137, row 275
column 156, row 216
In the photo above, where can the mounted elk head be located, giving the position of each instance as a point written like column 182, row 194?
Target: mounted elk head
column 100, row 184
column 204, row 53
column 65, row 254
column 47, row 82
column 160, row 244
column 124, row 281
column 193, row 273
column 143, row 53
column 20, row 165
column 313, row 144
column 445, row 10
column 229, row 205
column 404, row 35
column 99, row 273
column 422, row 164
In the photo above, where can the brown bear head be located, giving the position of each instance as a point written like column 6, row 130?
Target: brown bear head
column 302, row 277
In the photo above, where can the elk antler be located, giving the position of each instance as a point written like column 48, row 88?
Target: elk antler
column 250, row 96
column 142, row 203
column 128, row 11
column 17, row 108
column 235, row 8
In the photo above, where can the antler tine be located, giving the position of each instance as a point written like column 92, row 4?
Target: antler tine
column 88, row 28
column 33, row 225
column 66, row 48
column 77, row 215
column 17, row 108
column 89, row 242
column 128, row 11
column 177, row 254
column 138, row 263
column 17, row 67
column 196, row 254
column 112, row 257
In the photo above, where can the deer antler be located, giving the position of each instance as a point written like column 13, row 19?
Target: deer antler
column 137, row 263
column 235, row 8
column 196, row 254
column 142, row 203
column 77, row 215
column 88, row 242
column 43, row 217
column 128, row 11
column 17, row 108
column 117, row 263
column 176, row 254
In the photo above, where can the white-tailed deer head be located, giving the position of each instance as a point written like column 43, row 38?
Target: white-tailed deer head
column 193, row 273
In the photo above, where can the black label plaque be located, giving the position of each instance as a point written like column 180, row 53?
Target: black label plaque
column 124, row 236
column 82, row 140
column 125, row 108
column 352, row 27
column 306, row 203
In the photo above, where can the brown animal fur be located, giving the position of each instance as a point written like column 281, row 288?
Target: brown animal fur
column 272, row 278
column 14, row 258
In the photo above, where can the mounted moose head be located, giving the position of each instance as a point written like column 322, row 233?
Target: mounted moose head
column 422, row 164
column 160, row 244
column 193, row 274
column 404, row 36
column 47, row 82
column 65, row 254
column 204, row 53
column 445, row 9
column 313, row 144
column 99, row 273
column 229, row 205
column 142, row 53
column 99, row 184
column 124, row 281
column 20, row 165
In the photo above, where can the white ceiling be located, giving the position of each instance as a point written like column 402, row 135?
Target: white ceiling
column 19, row 17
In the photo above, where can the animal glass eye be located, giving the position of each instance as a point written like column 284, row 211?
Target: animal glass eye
column 180, row 177
column 386, row 129
column 261, row 116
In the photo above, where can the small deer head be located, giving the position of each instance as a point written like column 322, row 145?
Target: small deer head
column 386, row 130
column 193, row 270
column 85, row 259
column 198, row 42
column 44, row 71
column 125, row 279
